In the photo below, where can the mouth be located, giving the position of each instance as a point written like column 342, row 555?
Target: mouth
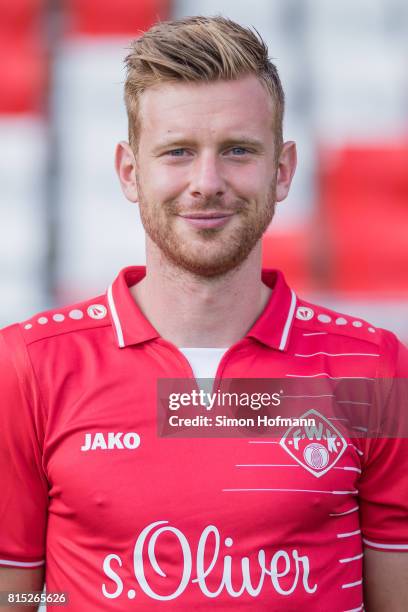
column 208, row 219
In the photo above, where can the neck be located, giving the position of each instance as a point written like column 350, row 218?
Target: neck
column 192, row 311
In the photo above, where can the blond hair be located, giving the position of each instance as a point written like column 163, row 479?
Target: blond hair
column 198, row 49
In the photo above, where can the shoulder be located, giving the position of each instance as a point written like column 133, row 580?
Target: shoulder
column 71, row 319
column 345, row 333
column 314, row 319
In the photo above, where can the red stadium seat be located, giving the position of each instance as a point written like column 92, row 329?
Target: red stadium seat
column 364, row 210
column 292, row 252
column 23, row 68
column 23, row 65
column 20, row 17
column 115, row 17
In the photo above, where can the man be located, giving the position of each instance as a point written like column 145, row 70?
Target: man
column 126, row 519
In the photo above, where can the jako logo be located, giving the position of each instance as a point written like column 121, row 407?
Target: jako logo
column 110, row 441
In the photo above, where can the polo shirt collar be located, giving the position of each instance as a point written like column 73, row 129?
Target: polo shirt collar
column 131, row 326
column 274, row 325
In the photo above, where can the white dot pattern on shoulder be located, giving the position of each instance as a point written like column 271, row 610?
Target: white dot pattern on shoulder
column 76, row 314
column 28, row 326
column 97, row 311
column 42, row 320
column 357, row 324
column 324, row 318
column 304, row 314
column 58, row 317
column 371, row 330
column 341, row 321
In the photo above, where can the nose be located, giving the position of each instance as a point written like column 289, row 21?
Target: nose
column 206, row 180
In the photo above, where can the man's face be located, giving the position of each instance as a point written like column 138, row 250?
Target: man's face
column 206, row 171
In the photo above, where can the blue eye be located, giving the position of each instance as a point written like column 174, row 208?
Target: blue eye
column 176, row 152
column 239, row 150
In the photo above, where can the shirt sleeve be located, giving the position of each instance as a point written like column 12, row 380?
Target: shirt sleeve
column 383, row 490
column 24, row 487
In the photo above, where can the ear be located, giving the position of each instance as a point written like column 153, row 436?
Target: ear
column 286, row 169
column 125, row 164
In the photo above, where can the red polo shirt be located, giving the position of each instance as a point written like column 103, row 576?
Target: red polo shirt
column 128, row 520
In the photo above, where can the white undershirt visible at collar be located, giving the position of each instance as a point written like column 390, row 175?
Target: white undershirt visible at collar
column 204, row 361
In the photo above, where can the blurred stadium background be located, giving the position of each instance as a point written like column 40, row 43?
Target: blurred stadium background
column 65, row 228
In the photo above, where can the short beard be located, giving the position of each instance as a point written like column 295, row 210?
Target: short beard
column 236, row 250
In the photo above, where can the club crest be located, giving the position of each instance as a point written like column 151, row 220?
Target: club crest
column 316, row 448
